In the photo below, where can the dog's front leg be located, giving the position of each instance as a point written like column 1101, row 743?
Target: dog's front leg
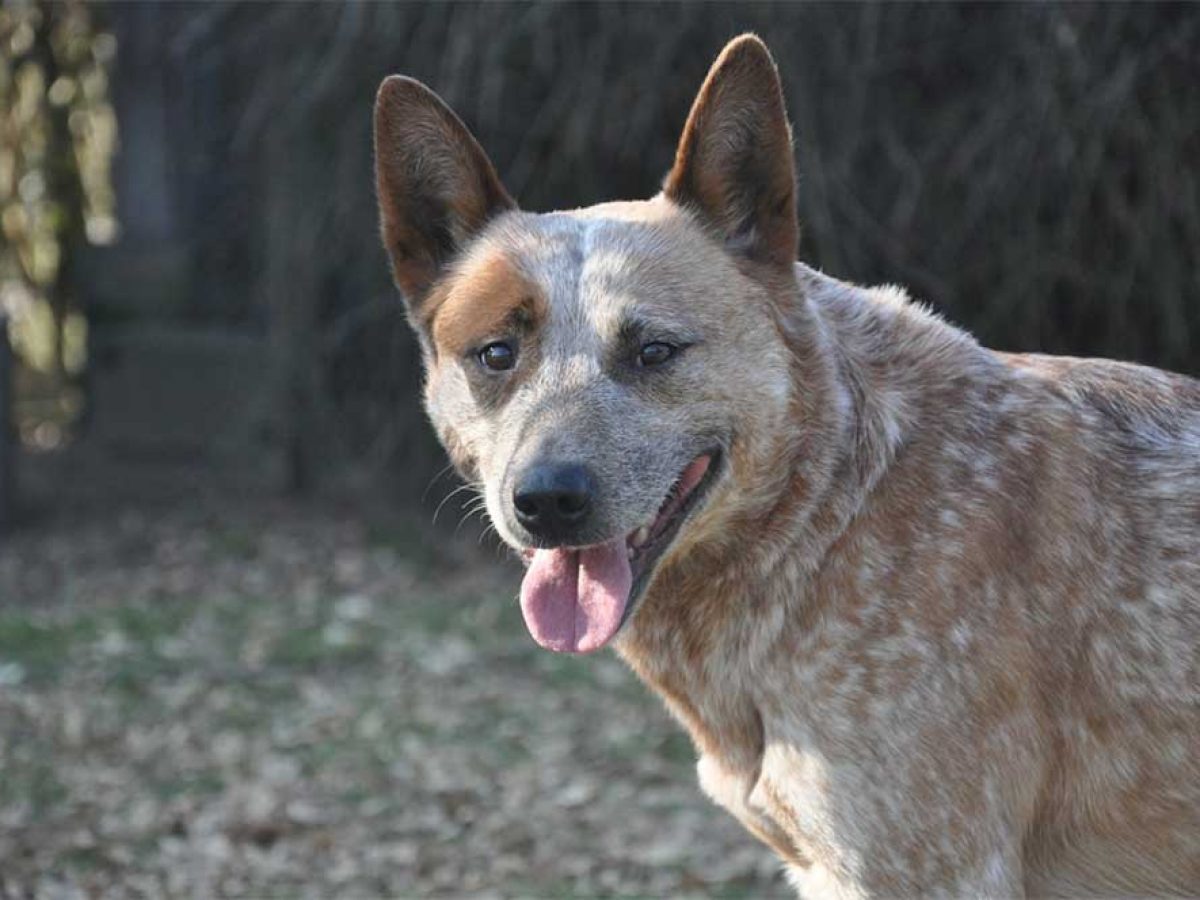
column 731, row 790
column 864, row 843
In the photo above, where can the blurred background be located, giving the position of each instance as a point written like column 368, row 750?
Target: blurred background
column 239, row 653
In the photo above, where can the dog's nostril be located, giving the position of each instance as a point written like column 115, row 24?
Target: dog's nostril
column 525, row 504
column 572, row 503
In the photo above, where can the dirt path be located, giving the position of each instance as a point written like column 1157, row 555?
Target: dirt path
column 264, row 700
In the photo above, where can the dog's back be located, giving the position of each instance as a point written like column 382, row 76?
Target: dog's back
column 1122, row 808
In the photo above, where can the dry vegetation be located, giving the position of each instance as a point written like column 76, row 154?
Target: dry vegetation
column 264, row 700
column 1031, row 170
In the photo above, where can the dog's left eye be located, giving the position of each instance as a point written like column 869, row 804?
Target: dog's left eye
column 655, row 353
column 498, row 356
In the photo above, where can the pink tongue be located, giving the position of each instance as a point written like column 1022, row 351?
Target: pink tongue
column 573, row 600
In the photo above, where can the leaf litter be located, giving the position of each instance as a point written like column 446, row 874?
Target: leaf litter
column 265, row 699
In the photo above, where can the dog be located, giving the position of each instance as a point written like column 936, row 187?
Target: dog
column 929, row 612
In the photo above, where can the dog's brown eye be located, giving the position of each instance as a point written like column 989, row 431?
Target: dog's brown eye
column 655, row 353
column 498, row 356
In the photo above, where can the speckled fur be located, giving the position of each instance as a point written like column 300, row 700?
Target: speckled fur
column 935, row 630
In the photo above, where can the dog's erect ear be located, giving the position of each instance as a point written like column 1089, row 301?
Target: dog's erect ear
column 734, row 162
column 436, row 186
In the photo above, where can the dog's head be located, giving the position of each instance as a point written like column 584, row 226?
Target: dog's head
column 603, row 374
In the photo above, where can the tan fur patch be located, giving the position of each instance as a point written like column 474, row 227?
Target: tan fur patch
column 481, row 302
column 435, row 185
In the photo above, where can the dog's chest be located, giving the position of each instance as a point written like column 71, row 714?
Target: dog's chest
column 784, row 796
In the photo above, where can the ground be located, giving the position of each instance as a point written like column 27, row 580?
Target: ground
column 256, row 698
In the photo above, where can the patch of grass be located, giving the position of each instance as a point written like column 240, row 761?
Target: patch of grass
column 739, row 889
column 245, row 709
column 558, row 889
column 83, row 858
column 677, row 747
column 133, row 675
column 420, row 544
column 563, row 671
column 486, row 622
column 43, row 647
column 303, row 646
column 431, row 614
column 309, row 647
column 233, row 619
column 147, row 624
column 203, row 783
column 36, row 782
column 238, row 543
column 359, row 793
column 672, row 746
column 567, row 672
column 317, row 756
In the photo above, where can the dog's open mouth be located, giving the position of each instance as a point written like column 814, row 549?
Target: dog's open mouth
column 576, row 599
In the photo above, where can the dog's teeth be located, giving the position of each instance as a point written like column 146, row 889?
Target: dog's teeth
column 631, row 551
column 640, row 536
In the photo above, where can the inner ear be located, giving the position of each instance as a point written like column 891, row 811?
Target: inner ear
column 734, row 161
column 436, row 187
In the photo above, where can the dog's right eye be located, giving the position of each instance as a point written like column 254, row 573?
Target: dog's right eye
column 498, row 356
column 655, row 353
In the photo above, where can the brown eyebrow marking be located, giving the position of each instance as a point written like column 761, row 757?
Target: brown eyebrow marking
column 485, row 299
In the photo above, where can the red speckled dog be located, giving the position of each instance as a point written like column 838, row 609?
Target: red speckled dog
column 931, row 613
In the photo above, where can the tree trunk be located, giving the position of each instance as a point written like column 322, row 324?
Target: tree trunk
column 289, row 287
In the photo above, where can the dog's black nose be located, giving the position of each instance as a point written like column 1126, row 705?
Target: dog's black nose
column 552, row 500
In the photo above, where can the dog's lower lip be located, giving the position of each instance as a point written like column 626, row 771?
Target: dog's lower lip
column 673, row 508
column 645, row 558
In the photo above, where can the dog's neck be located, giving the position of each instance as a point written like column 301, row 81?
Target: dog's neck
column 854, row 392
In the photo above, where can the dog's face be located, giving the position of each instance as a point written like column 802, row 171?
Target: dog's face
column 591, row 370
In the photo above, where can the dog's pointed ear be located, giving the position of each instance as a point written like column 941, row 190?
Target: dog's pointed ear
column 436, row 186
column 734, row 162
